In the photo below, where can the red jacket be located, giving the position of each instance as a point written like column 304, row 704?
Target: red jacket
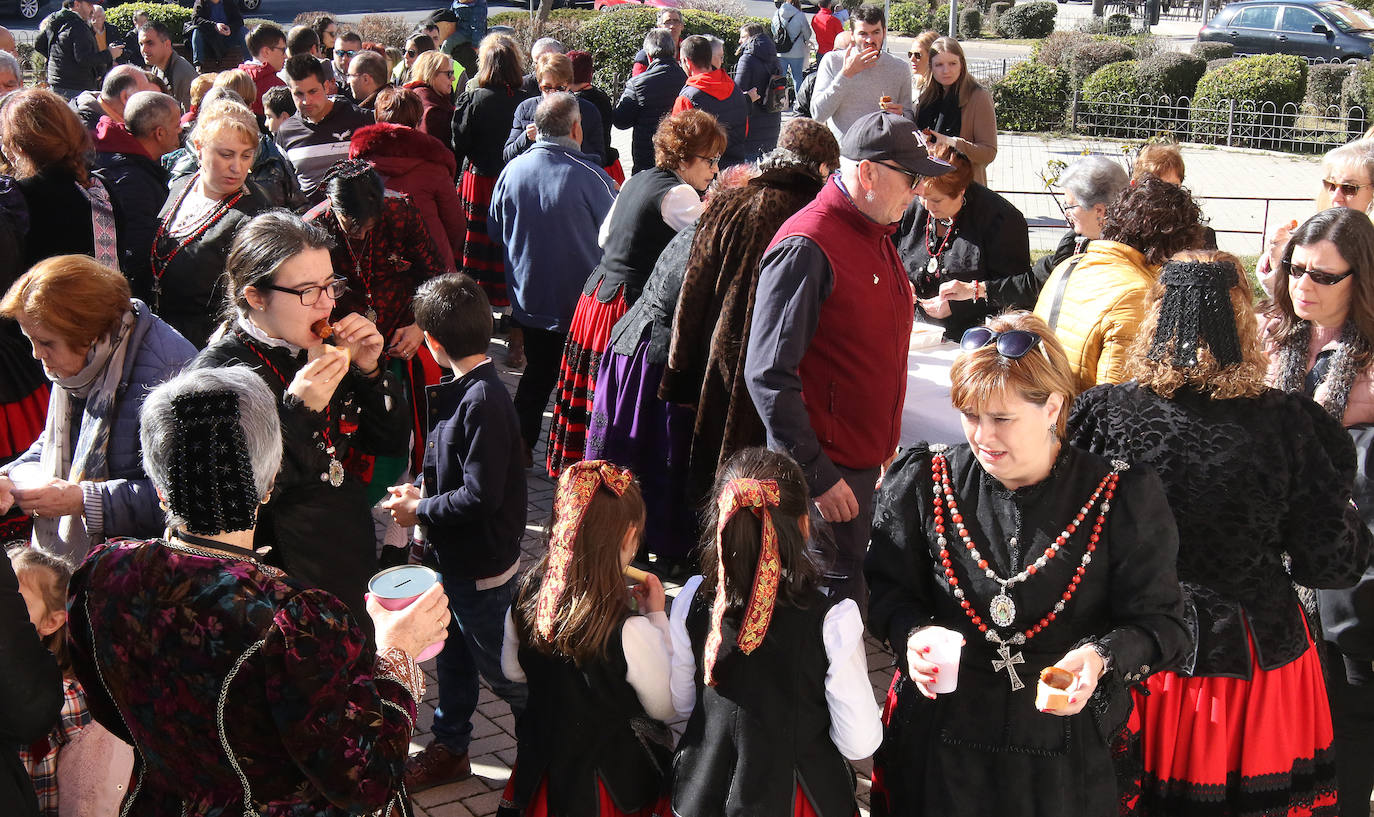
column 854, row 371
column 418, row 165
column 827, row 27
column 263, row 77
column 437, row 119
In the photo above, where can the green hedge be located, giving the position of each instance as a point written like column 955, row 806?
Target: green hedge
column 995, row 11
column 907, row 19
column 1054, row 50
column 1324, row 83
column 1031, row 97
column 1086, row 58
column 1209, row 51
column 970, row 24
column 613, row 37
column 1170, row 74
column 1357, row 90
column 1028, row 21
column 1276, row 78
column 1109, row 93
column 1118, row 24
column 173, row 16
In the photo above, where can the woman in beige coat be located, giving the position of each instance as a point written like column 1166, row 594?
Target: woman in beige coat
column 955, row 110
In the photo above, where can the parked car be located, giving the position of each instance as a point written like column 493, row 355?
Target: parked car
column 27, row 9
column 1316, row 29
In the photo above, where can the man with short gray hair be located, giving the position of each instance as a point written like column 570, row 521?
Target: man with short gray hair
column 122, row 82
column 11, row 75
column 546, row 211
column 128, row 160
column 649, row 96
column 542, row 46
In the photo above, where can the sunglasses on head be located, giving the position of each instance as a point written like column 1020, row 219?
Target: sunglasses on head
column 1325, row 279
column 1014, row 343
column 1346, row 188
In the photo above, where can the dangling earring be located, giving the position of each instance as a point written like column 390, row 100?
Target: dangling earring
column 868, row 197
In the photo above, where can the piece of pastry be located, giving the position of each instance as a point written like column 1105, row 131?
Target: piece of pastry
column 1052, row 691
column 322, row 329
column 886, row 100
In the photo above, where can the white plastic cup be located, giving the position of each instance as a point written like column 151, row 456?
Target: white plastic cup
column 27, row 475
column 945, row 649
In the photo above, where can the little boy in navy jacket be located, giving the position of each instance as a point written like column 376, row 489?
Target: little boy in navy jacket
column 470, row 501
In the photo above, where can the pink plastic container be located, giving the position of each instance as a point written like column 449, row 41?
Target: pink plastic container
column 396, row 588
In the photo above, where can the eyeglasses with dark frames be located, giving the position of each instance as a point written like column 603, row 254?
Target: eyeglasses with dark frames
column 311, row 295
column 1013, row 344
column 1319, row 277
column 916, row 178
column 713, row 160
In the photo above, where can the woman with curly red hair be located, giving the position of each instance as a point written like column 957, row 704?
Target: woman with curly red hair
column 651, row 208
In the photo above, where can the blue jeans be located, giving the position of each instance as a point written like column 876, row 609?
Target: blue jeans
column 796, row 65
column 214, row 44
column 480, row 617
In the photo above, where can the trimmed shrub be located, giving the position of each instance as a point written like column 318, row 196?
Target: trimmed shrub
column 1029, row 21
column 1118, row 24
column 937, row 19
column 1087, row 58
column 1031, row 97
column 1109, row 93
column 1213, row 51
column 389, row 30
column 173, row 16
column 1213, row 65
column 995, row 11
column 1170, row 74
column 613, row 37
column 1367, row 5
column 1250, row 81
column 907, row 19
column 564, row 25
column 970, row 24
column 1054, row 50
column 1324, row 83
column 1357, row 92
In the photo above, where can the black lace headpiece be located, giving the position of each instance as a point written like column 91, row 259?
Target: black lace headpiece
column 211, row 482
column 1196, row 309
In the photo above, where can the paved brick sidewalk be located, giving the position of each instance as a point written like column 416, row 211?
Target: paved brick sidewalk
column 493, row 738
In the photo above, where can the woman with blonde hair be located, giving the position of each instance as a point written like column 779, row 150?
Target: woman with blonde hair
column 954, row 110
column 919, row 56
column 433, row 76
column 196, row 225
column 1259, row 482
column 103, row 352
column 240, row 83
column 1034, row 554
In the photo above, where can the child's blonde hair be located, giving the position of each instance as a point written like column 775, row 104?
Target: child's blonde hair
column 51, row 575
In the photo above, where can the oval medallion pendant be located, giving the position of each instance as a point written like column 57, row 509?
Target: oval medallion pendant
column 1002, row 610
column 933, row 266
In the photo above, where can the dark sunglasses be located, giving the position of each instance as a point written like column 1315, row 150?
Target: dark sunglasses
column 1318, row 277
column 1014, row 343
column 1346, row 188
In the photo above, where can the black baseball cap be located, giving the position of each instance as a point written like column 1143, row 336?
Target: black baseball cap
column 441, row 16
column 883, row 135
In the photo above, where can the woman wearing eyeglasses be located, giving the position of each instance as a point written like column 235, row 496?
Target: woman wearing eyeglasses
column 958, row 230
column 554, row 73
column 1347, row 181
column 432, row 78
column 1259, row 482
column 199, row 220
column 336, row 400
column 1032, row 554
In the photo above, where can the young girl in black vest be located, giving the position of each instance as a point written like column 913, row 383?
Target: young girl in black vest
column 771, row 674
column 591, row 742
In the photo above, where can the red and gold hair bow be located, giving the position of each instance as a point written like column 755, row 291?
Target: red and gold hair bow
column 576, row 487
column 758, row 496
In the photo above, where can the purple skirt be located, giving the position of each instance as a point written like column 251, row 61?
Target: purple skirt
column 634, row 429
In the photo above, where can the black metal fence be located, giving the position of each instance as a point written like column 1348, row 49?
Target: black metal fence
column 1304, row 128
column 987, row 71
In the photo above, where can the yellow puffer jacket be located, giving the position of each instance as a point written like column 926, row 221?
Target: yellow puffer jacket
column 1102, row 309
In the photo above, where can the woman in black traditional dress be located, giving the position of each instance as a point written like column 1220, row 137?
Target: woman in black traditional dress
column 1255, row 478
column 1037, row 554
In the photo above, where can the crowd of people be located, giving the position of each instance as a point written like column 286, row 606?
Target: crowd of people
column 245, row 327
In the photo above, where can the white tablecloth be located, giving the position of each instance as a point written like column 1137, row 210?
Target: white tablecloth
column 927, row 414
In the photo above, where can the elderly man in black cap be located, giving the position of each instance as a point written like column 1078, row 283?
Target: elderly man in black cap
column 826, row 363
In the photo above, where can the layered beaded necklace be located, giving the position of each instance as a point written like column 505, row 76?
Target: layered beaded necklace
column 365, row 280
column 1002, row 609
column 195, row 229
column 933, row 265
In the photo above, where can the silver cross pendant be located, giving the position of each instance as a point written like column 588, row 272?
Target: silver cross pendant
column 1009, row 663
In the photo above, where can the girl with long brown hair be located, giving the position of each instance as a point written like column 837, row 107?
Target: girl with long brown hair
column 591, row 739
